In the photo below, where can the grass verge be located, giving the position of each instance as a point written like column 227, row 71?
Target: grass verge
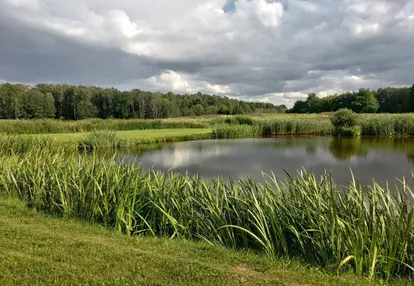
column 10, row 144
column 41, row 250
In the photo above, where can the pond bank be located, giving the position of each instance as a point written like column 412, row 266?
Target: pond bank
column 305, row 217
column 44, row 250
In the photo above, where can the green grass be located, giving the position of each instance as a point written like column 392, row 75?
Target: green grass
column 368, row 229
column 10, row 144
column 42, row 126
column 268, row 124
column 40, row 250
column 136, row 134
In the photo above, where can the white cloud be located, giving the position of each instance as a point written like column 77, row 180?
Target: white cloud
column 270, row 13
column 366, row 29
column 216, row 89
column 170, row 80
column 121, row 21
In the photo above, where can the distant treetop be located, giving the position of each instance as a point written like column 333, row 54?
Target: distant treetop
column 383, row 100
column 80, row 102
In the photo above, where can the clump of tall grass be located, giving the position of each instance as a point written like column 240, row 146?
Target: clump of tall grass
column 101, row 139
column 19, row 144
column 397, row 125
column 12, row 144
column 367, row 228
column 274, row 127
column 236, row 131
column 239, row 120
column 295, row 126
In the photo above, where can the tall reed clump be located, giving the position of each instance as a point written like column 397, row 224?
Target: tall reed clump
column 396, row 125
column 12, row 144
column 272, row 127
column 235, row 131
column 367, row 228
column 294, row 126
column 18, row 144
column 101, row 139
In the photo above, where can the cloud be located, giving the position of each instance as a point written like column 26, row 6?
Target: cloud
column 172, row 81
column 274, row 50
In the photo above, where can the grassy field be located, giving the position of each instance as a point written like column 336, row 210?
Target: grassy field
column 40, row 250
column 236, row 126
column 10, row 144
column 136, row 134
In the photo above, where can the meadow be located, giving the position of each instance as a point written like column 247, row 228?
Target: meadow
column 265, row 124
column 366, row 229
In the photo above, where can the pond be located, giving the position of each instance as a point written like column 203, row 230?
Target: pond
column 381, row 159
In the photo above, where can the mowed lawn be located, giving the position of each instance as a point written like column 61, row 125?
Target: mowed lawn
column 40, row 250
column 136, row 134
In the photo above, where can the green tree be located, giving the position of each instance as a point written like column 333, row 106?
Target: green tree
column 211, row 109
column 32, row 104
column 49, row 110
column 198, row 109
column 10, row 100
column 364, row 101
column 238, row 109
column 410, row 101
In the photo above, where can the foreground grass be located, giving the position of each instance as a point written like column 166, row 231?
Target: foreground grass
column 368, row 229
column 40, row 250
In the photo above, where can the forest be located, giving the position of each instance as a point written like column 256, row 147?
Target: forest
column 62, row 101
column 383, row 100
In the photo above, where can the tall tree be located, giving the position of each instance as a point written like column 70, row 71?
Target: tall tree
column 410, row 101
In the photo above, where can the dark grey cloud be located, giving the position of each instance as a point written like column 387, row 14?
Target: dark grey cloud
column 31, row 55
column 253, row 49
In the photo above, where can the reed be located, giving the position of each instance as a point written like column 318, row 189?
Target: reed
column 274, row 127
column 236, row 131
column 45, row 126
column 269, row 124
column 367, row 228
column 110, row 140
column 12, row 144
column 396, row 125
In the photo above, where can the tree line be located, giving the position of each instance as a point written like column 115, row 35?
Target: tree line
column 19, row 101
column 383, row 100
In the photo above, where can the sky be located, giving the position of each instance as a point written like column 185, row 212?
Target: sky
column 254, row 50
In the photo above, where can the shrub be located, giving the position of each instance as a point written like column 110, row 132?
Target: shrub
column 349, row 131
column 244, row 120
column 344, row 118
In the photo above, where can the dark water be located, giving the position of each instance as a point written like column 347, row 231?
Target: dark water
column 381, row 159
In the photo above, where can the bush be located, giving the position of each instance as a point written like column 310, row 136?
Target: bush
column 344, row 118
column 243, row 120
column 348, row 131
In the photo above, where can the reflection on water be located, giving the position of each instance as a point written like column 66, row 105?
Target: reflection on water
column 382, row 159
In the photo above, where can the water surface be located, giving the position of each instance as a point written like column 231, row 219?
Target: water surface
column 382, row 159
